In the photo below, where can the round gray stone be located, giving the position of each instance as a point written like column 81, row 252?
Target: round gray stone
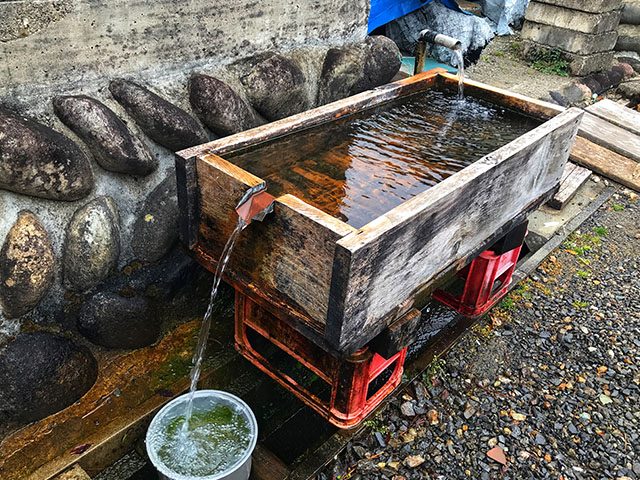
column 341, row 69
column 26, row 265
column 382, row 61
column 219, row 107
column 92, row 244
column 36, row 160
column 114, row 146
column 114, row 321
column 276, row 87
column 156, row 228
column 42, row 373
column 162, row 121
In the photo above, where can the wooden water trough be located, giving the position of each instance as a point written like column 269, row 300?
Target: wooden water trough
column 341, row 286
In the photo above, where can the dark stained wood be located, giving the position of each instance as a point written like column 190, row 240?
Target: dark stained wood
column 610, row 136
column 573, row 178
column 607, row 163
column 266, row 466
column 388, row 260
column 397, row 335
column 617, row 114
column 188, row 203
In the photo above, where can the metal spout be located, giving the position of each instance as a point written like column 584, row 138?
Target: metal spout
column 434, row 38
column 255, row 204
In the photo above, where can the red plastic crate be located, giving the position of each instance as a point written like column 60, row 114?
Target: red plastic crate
column 486, row 281
column 349, row 380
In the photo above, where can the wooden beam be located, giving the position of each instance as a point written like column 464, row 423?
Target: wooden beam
column 387, row 261
column 617, row 114
column 610, row 136
column 607, row 163
column 573, row 178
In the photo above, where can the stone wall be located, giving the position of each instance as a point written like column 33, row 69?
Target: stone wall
column 95, row 97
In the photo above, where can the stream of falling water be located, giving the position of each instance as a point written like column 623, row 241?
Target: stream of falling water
column 457, row 52
column 198, row 356
column 452, row 116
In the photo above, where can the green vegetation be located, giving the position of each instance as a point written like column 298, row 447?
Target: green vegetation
column 583, row 273
column 601, row 231
column 617, row 207
column 507, row 304
column 580, row 304
column 375, row 424
column 549, row 61
column 434, row 370
column 582, row 243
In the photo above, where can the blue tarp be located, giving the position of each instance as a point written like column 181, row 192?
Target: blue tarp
column 384, row 11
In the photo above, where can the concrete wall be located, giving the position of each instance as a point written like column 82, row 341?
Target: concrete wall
column 57, row 41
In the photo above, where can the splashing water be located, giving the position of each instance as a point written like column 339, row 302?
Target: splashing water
column 457, row 52
column 198, row 356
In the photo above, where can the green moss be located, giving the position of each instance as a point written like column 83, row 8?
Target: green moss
column 549, row 61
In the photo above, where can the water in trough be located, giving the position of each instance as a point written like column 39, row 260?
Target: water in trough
column 362, row 166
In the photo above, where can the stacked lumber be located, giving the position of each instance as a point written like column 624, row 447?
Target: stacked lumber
column 609, row 143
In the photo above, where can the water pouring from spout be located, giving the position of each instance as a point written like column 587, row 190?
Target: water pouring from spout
column 255, row 205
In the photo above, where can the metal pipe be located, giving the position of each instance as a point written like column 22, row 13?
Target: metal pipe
column 434, row 38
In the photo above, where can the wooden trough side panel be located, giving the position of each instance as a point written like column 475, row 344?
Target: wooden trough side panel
column 387, row 261
column 286, row 259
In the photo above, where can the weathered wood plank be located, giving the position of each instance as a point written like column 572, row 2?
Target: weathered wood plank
column 610, row 136
column 617, row 114
column 573, row 178
column 74, row 473
column 288, row 257
column 607, row 163
column 388, row 260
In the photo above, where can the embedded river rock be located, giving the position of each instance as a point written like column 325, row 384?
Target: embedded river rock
column 276, row 87
column 156, row 228
column 42, row 373
column 219, row 107
column 36, row 160
column 161, row 120
column 26, row 265
column 92, row 245
column 88, row 131
column 114, row 321
column 113, row 145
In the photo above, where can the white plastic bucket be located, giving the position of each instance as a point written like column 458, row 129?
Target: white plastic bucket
column 239, row 470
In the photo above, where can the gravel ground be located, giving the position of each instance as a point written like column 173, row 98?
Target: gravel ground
column 551, row 377
column 500, row 65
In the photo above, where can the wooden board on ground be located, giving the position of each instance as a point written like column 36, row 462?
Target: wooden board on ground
column 610, row 136
column 605, row 162
column 617, row 114
column 572, row 179
column 74, row 473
